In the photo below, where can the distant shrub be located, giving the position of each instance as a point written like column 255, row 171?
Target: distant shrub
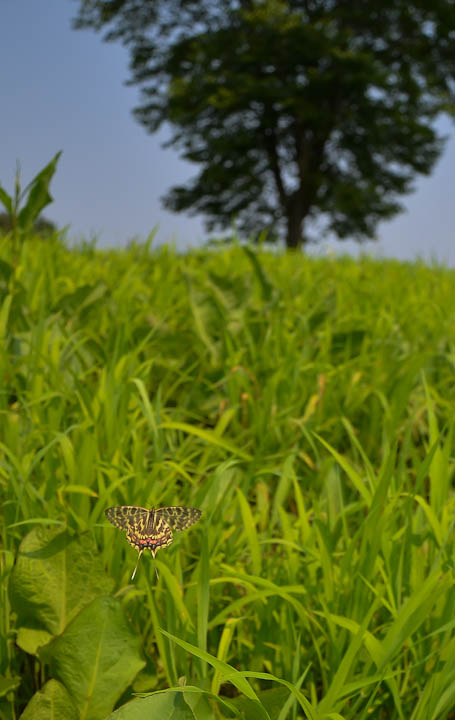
column 42, row 225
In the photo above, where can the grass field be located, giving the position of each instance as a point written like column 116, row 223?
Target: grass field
column 306, row 406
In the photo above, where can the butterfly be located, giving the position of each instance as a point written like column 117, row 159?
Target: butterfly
column 151, row 529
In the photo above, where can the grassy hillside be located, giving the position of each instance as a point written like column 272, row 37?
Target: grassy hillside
column 305, row 406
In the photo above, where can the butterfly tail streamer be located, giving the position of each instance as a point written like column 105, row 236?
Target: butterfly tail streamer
column 137, row 563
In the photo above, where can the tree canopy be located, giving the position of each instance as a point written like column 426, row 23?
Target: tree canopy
column 300, row 113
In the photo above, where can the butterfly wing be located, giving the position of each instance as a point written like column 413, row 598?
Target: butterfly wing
column 179, row 518
column 128, row 517
column 151, row 529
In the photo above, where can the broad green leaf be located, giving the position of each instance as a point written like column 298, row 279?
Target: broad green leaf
column 187, row 703
column 55, row 576
column 272, row 699
column 97, row 657
column 7, row 684
column 199, row 704
column 52, row 702
column 30, row 640
column 168, row 705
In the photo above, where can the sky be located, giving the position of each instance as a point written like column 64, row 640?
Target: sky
column 62, row 89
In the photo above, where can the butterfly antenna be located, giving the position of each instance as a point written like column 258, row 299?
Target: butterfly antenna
column 137, row 563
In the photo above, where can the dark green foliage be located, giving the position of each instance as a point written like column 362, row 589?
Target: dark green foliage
column 57, row 589
column 42, row 226
column 296, row 111
column 305, row 406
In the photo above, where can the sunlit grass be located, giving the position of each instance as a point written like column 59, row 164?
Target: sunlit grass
column 305, row 405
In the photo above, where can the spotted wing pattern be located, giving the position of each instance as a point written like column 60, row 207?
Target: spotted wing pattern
column 179, row 518
column 126, row 516
column 144, row 529
column 151, row 529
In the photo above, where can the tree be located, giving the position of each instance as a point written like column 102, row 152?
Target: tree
column 297, row 111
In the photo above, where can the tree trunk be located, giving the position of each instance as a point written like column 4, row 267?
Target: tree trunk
column 295, row 214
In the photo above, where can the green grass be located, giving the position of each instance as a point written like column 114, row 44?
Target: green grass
column 306, row 406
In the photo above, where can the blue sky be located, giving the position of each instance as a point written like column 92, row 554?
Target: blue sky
column 62, row 89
